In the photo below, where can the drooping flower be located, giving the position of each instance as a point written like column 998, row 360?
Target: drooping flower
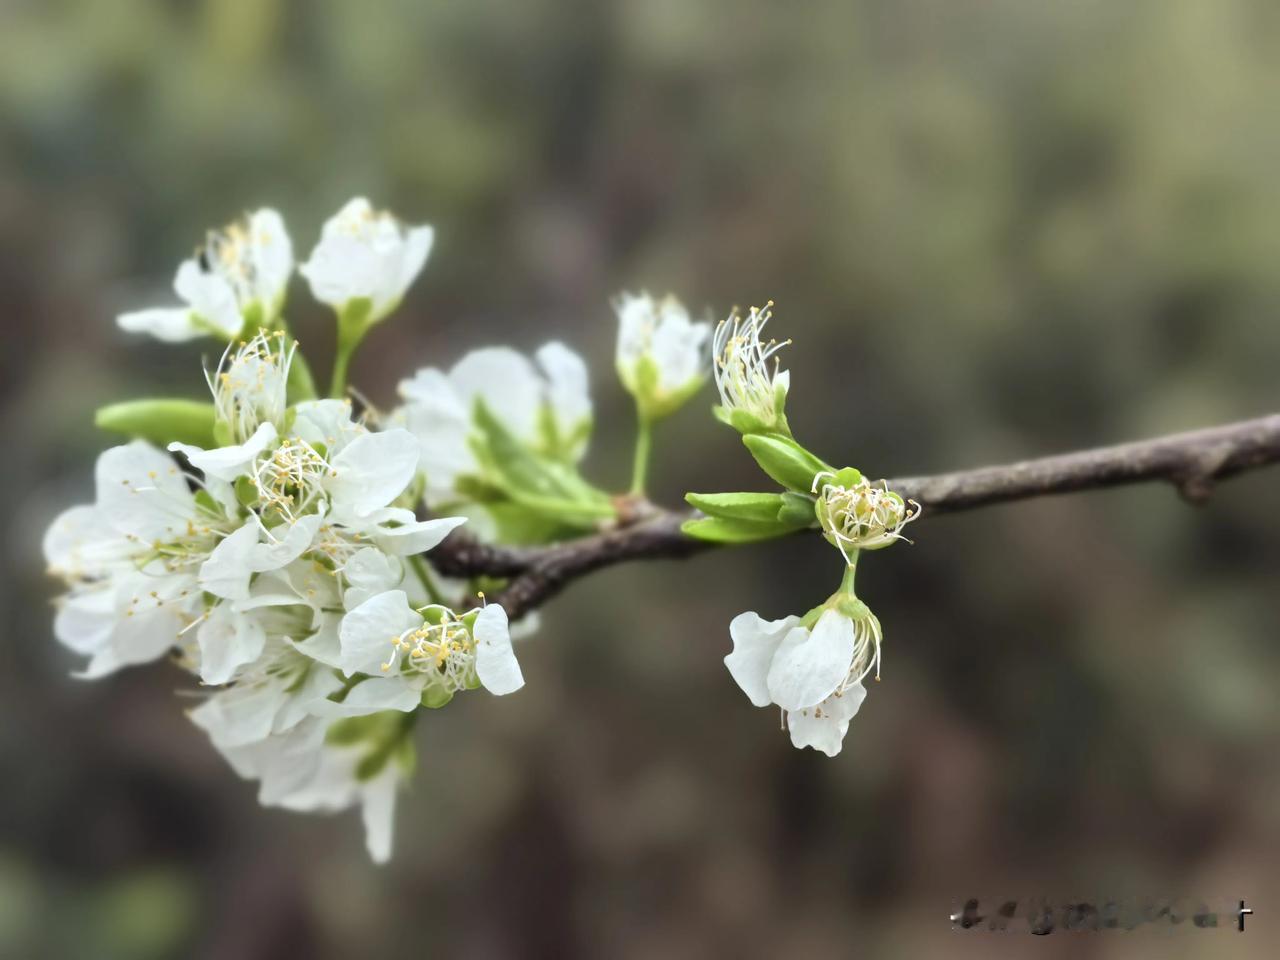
column 859, row 515
column 548, row 410
column 661, row 353
column 752, row 387
column 365, row 260
column 813, row 673
column 236, row 282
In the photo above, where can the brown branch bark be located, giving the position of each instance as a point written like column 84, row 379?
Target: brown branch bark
column 1193, row 462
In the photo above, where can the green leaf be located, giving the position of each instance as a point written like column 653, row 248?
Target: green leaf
column 160, row 421
column 553, row 489
column 721, row 530
column 797, row 510
column 785, row 460
column 760, row 507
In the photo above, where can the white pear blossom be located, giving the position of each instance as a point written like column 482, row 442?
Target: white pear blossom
column 752, row 387
column 814, row 674
column 549, row 410
column 366, row 255
column 132, row 560
column 661, row 353
column 237, row 280
column 409, row 654
column 860, row 516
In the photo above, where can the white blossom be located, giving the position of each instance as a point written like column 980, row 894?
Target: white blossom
column 408, row 652
column 132, row 559
column 549, row 410
column 813, row 674
column 661, row 353
column 366, row 255
column 237, row 280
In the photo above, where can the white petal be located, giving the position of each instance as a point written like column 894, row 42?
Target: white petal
column 496, row 664
column 272, row 256
column 755, row 641
column 284, row 550
column 227, row 640
column 228, row 463
column 140, row 638
column 79, row 542
column 568, row 389
column 367, row 631
column 142, row 493
column 378, row 812
column 211, row 298
column 84, row 620
column 823, row 727
column 678, row 347
column 242, row 715
column 323, row 645
column 809, row 665
column 170, row 324
column 327, row 423
column 370, row 572
column 507, row 383
column 637, row 317
column 372, row 471
column 417, row 247
column 226, row 573
column 373, row 696
column 437, row 415
column 417, row 537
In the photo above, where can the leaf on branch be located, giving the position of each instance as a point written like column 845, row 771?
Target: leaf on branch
column 785, row 461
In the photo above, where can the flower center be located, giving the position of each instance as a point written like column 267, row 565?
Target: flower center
column 446, row 648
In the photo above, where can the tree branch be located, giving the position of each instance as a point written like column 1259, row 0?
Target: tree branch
column 1193, row 462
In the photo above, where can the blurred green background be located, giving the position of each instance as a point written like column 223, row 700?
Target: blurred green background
column 995, row 229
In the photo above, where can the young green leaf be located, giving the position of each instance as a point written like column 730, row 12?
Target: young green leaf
column 785, row 460
column 160, row 421
column 722, row 530
column 760, row 507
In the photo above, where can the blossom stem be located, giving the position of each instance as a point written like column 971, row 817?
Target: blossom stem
column 419, row 567
column 850, row 571
column 640, row 465
column 353, row 324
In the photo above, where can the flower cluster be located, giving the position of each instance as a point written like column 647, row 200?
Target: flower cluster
column 277, row 561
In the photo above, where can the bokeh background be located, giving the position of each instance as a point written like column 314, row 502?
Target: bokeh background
column 994, row 228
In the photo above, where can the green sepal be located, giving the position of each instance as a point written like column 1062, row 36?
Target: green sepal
column 246, row 492
column 722, row 530
column 436, row 696
column 301, row 385
column 785, row 460
column 758, row 507
column 161, row 421
column 374, row 762
column 747, row 423
column 349, row 731
column 845, row 477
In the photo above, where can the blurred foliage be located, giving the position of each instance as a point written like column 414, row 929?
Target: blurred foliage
column 994, row 229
